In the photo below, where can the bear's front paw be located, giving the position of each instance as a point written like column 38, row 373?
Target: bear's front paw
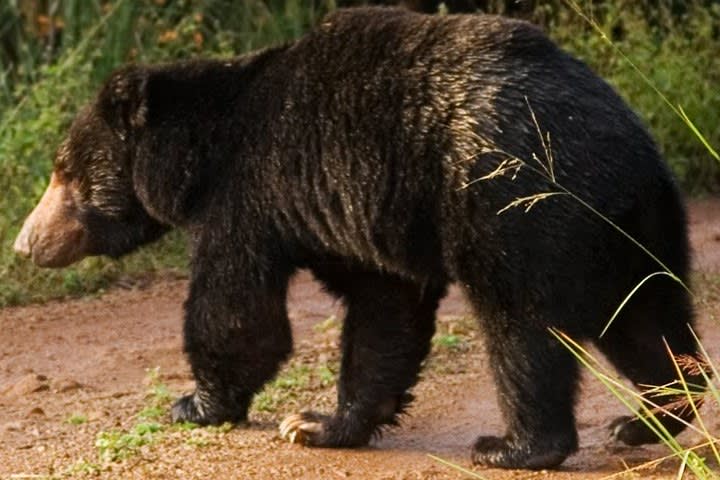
column 191, row 409
column 305, row 428
column 186, row 409
column 505, row 453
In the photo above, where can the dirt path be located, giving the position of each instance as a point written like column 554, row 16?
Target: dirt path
column 77, row 371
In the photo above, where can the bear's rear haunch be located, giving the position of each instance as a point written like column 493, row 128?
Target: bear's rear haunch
column 391, row 153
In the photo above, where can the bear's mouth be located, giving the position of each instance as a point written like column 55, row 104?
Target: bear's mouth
column 52, row 235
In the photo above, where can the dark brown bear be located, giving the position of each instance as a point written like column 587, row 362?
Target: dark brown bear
column 378, row 151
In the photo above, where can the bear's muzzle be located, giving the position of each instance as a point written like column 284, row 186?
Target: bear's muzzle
column 52, row 235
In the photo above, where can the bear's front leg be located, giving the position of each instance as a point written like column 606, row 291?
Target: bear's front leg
column 237, row 334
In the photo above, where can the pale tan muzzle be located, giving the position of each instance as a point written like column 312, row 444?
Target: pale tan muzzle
column 53, row 236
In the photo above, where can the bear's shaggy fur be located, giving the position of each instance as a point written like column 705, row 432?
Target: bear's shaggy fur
column 384, row 151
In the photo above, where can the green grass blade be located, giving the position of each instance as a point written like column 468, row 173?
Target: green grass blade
column 697, row 133
column 629, row 296
column 457, row 467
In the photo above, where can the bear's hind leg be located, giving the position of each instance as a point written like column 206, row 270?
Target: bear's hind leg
column 635, row 344
column 537, row 379
column 386, row 335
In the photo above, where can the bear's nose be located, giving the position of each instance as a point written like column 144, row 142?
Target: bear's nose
column 23, row 243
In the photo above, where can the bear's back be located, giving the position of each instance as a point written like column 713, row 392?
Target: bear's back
column 451, row 86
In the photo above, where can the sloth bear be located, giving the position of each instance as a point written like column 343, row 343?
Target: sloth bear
column 390, row 153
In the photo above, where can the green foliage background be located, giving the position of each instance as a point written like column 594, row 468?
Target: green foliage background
column 44, row 81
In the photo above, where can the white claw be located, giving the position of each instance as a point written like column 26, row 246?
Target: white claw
column 288, row 426
column 294, row 428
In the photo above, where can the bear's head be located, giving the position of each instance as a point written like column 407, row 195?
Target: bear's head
column 90, row 206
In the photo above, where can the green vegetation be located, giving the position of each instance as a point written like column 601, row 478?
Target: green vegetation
column 158, row 397
column 453, row 335
column 45, row 77
column 292, row 386
column 447, row 341
column 307, row 381
column 150, row 427
column 676, row 55
column 77, row 419
column 299, row 383
column 120, row 443
column 114, row 445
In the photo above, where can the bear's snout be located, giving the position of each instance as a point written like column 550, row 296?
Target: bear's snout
column 52, row 236
column 22, row 242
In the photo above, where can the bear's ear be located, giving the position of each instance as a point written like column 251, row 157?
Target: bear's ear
column 122, row 101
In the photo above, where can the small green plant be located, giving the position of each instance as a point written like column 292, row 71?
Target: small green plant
column 296, row 377
column 158, row 397
column 447, row 341
column 294, row 381
column 115, row 445
column 283, row 389
column 152, row 412
column 454, row 333
column 325, row 374
column 203, row 437
column 198, row 441
column 118, row 444
column 326, row 325
column 76, row 419
column 220, row 429
column 82, row 467
column 186, row 426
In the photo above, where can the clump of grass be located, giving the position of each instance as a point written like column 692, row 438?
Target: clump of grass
column 158, row 398
column 77, row 419
column 454, row 334
column 118, row 444
column 294, row 383
column 446, row 341
column 81, row 468
column 115, row 445
column 451, row 344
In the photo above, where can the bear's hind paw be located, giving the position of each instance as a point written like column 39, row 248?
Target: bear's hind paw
column 633, row 431
column 505, row 453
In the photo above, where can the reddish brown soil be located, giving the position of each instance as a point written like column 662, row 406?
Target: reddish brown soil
column 91, row 356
